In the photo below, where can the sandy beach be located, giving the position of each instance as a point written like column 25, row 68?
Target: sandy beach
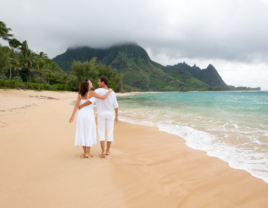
column 40, row 167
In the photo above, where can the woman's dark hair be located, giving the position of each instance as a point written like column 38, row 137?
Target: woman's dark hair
column 84, row 87
column 104, row 79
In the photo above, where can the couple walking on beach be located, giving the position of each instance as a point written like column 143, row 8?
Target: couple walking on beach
column 107, row 109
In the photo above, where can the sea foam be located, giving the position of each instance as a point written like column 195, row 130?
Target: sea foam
column 250, row 161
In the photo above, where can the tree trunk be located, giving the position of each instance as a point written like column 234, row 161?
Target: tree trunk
column 39, row 82
column 28, row 74
column 10, row 72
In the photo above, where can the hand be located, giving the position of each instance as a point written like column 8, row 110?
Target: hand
column 71, row 120
column 79, row 107
column 110, row 90
column 116, row 119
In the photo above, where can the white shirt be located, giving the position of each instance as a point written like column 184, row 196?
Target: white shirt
column 107, row 106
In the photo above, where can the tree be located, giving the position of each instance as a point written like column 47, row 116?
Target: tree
column 26, row 57
column 4, row 58
column 42, row 56
column 40, row 68
column 93, row 71
column 52, row 69
column 114, row 79
column 86, row 70
column 65, row 78
column 13, row 44
column 73, row 82
column 14, row 62
column 4, row 31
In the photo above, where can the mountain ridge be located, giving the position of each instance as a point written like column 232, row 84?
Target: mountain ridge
column 209, row 75
column 138, row 70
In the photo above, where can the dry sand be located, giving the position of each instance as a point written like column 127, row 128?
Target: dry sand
column 40, row 167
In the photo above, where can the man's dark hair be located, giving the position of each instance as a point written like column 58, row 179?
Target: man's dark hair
column 104, row 79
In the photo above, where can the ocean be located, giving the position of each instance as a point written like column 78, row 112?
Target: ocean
column 232, row 126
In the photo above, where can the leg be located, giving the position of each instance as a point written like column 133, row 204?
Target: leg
column 88, row 151
column 110, row 133
column 101, row 133
column 108, row 148
column 85, row 152
column 102, row 143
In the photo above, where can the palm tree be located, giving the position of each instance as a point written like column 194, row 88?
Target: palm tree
column 42, row 56
column 14, row 62
column 26, row 57
column 4, row 31
column 40, row 68
column 65, row 78
column 52, row 69
column 73, row 82
column 4, row 58
column 13, row 44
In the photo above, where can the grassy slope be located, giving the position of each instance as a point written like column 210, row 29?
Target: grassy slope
column 142, row 73
column 189, row 82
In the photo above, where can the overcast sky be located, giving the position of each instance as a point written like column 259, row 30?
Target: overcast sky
column 232, row 35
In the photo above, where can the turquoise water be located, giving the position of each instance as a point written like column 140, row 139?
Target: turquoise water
column 232, row 126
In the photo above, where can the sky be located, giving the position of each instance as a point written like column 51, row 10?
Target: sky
column 232, row 35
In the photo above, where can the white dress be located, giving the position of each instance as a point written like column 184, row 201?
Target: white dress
column 85, row 126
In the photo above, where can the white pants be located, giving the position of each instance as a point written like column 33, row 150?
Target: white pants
column 106, row 121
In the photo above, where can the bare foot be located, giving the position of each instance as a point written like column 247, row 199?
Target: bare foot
column 107, row 153
column 102, row 155
column 85, row 156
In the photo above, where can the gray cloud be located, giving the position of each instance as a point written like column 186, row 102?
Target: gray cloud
column 216, row 31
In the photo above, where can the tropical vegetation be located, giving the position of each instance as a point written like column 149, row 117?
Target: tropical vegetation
column 21, row 67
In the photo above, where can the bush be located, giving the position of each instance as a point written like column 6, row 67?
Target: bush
column 12, row 83
column 20, row 84
column 29, row 85
column 33, row 86
column 17, row 79
column 48, row 87
column 6, row 83
column 42, row 86
column 54, row 87
column 3, row 77
column 61, row 87
column 36, row 86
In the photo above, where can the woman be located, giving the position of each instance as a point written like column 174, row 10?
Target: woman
column 85, row 122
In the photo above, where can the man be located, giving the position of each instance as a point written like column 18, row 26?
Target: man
column 106, row 118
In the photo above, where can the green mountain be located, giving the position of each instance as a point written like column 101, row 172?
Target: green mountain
column 138, row 70
column 208, row 75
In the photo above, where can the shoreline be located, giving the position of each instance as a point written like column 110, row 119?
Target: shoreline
column 147, row 167
column 233, row 162
column 230, row 163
